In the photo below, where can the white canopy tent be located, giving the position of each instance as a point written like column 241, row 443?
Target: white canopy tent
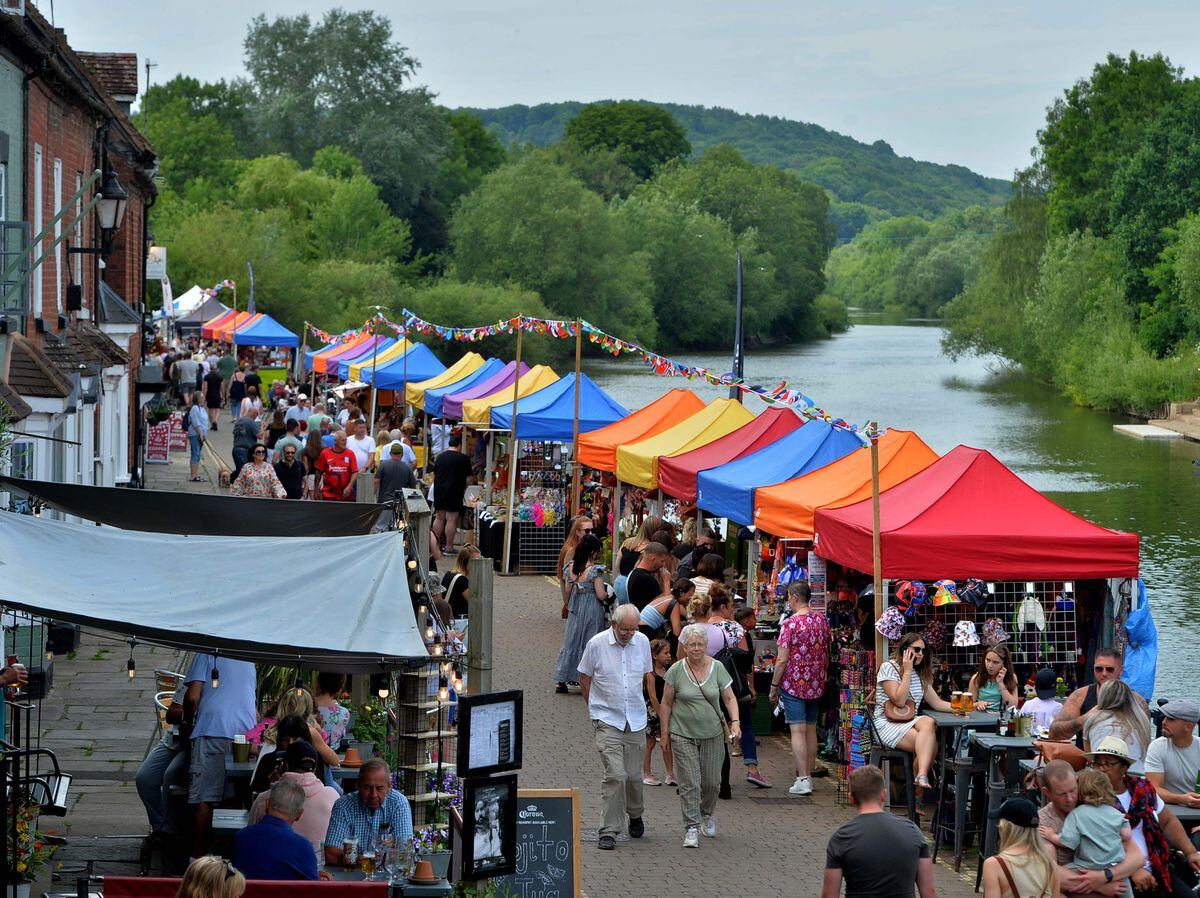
column 186, row 302
column 270, row 599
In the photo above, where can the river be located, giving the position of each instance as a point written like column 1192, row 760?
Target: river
column 897, row 374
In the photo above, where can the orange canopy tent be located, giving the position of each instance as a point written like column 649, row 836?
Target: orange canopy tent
column 598, row 449
column 208, row 329
column 241, row 321
column 637, row 463
column 789, row 509
column 321, row 360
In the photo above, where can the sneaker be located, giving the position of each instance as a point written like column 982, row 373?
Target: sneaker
column 759, row 780
column 802, row 786
column 671, row 781
column 637, row 828
column 561, row 689
column 691, row 839
column 574, row 688
column 651, row 781
column 607, row 843
column 710, row 826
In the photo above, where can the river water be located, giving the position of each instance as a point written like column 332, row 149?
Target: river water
column 897, row 374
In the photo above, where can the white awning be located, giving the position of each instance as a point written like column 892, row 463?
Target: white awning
column 341, row 604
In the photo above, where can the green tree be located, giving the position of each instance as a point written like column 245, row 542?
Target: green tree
column 344, row 81
column 532, row 224
column 644, row 136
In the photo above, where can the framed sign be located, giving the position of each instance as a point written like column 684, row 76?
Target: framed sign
column 547, row 846
column 489, row 733
column 489, row 827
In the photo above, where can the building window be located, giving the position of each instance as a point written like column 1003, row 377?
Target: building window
column 20, row 459
column 36, row 274
column 58, row 256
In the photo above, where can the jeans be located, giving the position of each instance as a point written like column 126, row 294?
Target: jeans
column 622, row 752
column 165, row 766
column 749, row 743
column 241, row 455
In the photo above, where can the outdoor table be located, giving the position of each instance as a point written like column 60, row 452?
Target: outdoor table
column 401, row 886
column 950, row 725
column 998, row 782
column 1189, row 817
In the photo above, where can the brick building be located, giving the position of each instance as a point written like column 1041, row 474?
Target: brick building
column 75, row 308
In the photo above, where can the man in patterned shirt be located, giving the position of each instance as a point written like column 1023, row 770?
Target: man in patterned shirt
column 359, row 815
column 799, row 680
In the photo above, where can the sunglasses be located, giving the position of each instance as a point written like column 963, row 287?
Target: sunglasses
column 259, row 452
column 1105, row 763
column 230, row 870
column 1100, row 668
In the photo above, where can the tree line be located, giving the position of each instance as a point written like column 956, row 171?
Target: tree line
column 344, row 183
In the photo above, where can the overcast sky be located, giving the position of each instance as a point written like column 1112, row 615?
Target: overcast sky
column 965, row 82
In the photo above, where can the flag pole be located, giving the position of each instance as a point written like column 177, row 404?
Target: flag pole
column 513, row 472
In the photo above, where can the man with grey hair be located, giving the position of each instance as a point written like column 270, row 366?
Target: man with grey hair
column 363, row 813
column 612, row 671
column 271, row 849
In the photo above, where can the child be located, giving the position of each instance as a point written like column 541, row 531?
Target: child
column 994, row 683
column 660, row 654
column 1096, row 831
column 1045, row 707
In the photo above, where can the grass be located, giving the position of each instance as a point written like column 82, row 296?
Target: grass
column 101, row 655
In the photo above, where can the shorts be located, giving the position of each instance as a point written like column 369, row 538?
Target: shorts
column 196, row 446
column 798, row 710
column 207, row 773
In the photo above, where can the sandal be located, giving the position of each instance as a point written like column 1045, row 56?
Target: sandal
column 921, row 781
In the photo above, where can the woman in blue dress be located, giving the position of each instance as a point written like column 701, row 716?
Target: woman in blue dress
column 587, row 608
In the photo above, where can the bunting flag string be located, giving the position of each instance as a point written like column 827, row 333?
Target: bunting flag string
column 658, row 364
column 226, row 284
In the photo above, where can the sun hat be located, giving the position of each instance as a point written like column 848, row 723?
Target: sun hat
column 1045, row 683
column 1182, row 709
column 965, row 634
column 1019, row 811
column 891, row 624
column 993, row 632
column 947, row 593
column 1112, row 747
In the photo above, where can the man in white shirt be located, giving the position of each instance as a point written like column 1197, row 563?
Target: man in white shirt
column 408, row 456
column 612, row 672
column 362, row 445
column 1173, row 759
column 300, row 411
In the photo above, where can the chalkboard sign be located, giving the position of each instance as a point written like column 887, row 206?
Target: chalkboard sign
column 547, row 846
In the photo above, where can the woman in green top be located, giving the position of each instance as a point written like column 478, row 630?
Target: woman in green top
column 995, row 681
column 693, row 727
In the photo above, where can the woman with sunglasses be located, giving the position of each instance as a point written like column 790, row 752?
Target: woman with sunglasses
column 257, row 478
column 580, row 527
column 908, row 677
column 290, row 471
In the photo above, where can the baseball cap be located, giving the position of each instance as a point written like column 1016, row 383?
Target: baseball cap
column 1019, row 811
column 298, row 754
column 1182, row 709
column 1045, row 683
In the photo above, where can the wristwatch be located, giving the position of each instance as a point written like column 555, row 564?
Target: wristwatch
column 1108, row 874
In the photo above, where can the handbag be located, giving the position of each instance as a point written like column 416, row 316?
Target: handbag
column 728, row 656
column 899, row 713
column 1047, row 750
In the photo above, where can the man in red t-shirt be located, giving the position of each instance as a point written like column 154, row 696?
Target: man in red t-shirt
column 336, row 467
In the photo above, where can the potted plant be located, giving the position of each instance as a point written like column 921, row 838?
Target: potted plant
column 27, row 847
column 368, row 729
column 433, row 842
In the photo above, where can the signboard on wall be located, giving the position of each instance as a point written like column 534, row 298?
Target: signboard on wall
column 816, row 580
column 178, row 436
column 156, row 263
column 158, row 443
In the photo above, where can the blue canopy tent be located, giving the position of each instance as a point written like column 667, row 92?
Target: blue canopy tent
column 549, row 413
column 727, row 491
column 266, row 331
column 419, row 363
column 342, row 366
column 434, row 397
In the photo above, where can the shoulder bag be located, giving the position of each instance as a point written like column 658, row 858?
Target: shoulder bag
column 1047, row 750
column 715, row 704
column 899, row 712
column 728, row 657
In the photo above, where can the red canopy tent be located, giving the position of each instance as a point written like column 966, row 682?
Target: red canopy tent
column 677, row 474
column 967, row 515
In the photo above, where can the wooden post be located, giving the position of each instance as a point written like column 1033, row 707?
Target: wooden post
column 877, row 557
column 514, row 446
column 575, row 475
column 233, row 337
column 479, row 634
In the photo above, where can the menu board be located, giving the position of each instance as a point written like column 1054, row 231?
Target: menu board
column 178, row 435
column 158, row 443
column 547, row 846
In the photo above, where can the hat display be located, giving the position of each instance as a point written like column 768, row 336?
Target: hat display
column 1182, row 709
column 1112, row 747
column 1019, row 811
column 1046, row 683
column 910, row 594
column 994, row 632
column 947, row 593
column 965, row 634
column 974, row 592
column 891, row 623
column 1031, row 613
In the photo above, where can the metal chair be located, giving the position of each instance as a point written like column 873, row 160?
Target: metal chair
column 162, row 701
column 881, row 755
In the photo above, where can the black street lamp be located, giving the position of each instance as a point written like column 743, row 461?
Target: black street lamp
column 113, row 200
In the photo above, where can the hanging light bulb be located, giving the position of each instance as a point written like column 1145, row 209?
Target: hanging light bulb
column 443, row 692
column 422, row 607
column 130, row 665
column 429, row 630
column 49, row 650
column 445, row 668
column 437, row 645
column 412, row 564
column 383, row 691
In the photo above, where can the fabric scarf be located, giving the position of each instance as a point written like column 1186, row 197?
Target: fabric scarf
column 1143, row 801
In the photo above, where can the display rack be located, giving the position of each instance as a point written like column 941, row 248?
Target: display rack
column 426, row 737
column 856, row 679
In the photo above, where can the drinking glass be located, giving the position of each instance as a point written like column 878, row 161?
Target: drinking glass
column 385, row 854
column 366, row 863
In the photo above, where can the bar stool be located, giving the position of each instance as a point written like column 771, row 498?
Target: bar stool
column 958, row 776
column 881, row 754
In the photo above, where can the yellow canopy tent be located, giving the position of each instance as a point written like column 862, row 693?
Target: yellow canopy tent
column 394, row 351
column 637, row 463
column 479, row 411
column 469, row 363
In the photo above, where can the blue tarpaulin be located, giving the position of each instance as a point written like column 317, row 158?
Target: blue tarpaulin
column 1141, row 654
column 266, row 331
column 727, row 491
column 549, row 413
column 434, row 397
column 419, row 363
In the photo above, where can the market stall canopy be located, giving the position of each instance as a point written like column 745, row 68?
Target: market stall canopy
column 728, row 491
column 333, row 349
column 414, row 393
column 208, row 329
column 354, row 370
column 637, row 463
column 435, row 396
column 452, row 403
column 372, row 349
column 677, row 474
column 264, row 330
column 227, row 332
column 478, row 411
column 206, row 311
column 967, row 515
column 549, row 414
column 419, row 363
column 327, row 362
column 130, row 583
column 787, row 509
column 184, row 304
column 599, row 448
column 166, row 511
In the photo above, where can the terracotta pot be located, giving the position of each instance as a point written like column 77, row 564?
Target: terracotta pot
column 353, row 758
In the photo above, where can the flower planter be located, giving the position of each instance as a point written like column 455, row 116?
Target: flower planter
column 20, row 890
column 366, row 750
column 439, row 859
